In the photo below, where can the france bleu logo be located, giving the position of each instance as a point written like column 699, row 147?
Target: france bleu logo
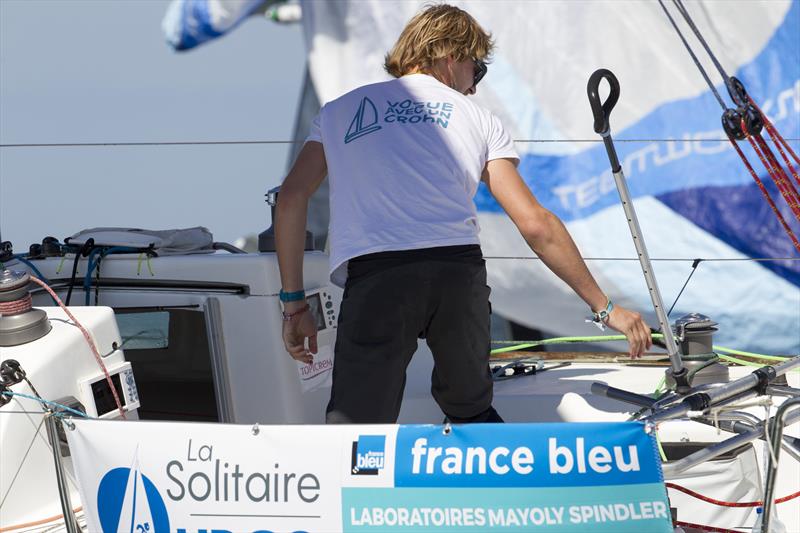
column 364, row 122
column 368, row 455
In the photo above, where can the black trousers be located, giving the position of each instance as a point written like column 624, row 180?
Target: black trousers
column 390, row 300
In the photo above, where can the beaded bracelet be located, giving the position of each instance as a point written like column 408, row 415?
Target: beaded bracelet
column 287, row 317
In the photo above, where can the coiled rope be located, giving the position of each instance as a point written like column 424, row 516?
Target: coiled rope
column 16, row 307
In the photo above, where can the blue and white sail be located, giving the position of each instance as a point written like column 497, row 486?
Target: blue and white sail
column 694, row 197
column 189, row 23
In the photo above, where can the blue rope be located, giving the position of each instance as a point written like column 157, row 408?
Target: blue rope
column 87, row 280
column 39, row 275
column 36, row 271
column 46, row 402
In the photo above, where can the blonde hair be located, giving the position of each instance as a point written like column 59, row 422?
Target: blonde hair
column 438, row 32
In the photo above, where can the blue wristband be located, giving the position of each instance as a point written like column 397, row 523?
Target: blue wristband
column 295, row 296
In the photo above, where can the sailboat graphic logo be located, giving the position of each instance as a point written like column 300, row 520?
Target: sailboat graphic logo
column 128, row 501
column 364, row 122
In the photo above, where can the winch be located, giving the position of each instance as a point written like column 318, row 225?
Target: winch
column 694, row 333
column 19, row 322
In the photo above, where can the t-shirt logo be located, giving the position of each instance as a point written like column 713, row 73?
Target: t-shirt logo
column 408, row 112
column 364, row 122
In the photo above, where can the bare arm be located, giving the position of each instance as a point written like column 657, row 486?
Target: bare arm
column 304, row 178
column 549, row 239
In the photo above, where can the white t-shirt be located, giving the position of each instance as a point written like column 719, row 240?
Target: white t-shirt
column 404, row 161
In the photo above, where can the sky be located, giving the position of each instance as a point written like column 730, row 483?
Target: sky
column 100, row 71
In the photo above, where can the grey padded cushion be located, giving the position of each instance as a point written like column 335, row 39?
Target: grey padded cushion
column 197, row 240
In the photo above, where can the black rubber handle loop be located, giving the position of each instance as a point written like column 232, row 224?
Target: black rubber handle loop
column 602, row 111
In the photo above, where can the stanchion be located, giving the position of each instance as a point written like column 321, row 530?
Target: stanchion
column 776, row 435
column 70, row 522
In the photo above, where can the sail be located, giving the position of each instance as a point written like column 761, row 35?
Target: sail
column 135, row 515
column 189, row 23
column 694, row 198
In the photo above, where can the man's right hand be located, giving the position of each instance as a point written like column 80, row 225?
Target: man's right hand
column 632, row 325
column 296, row 330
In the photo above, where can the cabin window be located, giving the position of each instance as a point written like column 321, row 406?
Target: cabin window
column 144, row 331
column 169, row 353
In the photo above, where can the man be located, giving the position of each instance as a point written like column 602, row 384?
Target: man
column 404, row 158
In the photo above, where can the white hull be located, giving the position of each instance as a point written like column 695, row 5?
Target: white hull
column 254, row 381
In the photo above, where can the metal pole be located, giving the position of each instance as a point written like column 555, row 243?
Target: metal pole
column 775, row 437
column 602, row 126
column 647, row 268
column 70, row 522
column 786, row 366
column 783, row 390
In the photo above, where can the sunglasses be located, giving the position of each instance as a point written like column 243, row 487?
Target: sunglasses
column 480, row 71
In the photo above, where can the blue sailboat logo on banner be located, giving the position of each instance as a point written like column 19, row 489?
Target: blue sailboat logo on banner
column 128, row 501
column 364, row 122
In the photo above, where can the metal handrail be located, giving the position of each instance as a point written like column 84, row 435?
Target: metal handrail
column 776, row 436
column 712, row 397
column 732, row 443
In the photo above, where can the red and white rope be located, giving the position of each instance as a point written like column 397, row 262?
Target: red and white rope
column 722, row 503
column 764, row 191
column 16, row 307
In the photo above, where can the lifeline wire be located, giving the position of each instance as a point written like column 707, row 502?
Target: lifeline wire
column 22, row 463
column 47, row 402
column 228, row 143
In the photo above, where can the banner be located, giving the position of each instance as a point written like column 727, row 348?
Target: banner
column 154, row 477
